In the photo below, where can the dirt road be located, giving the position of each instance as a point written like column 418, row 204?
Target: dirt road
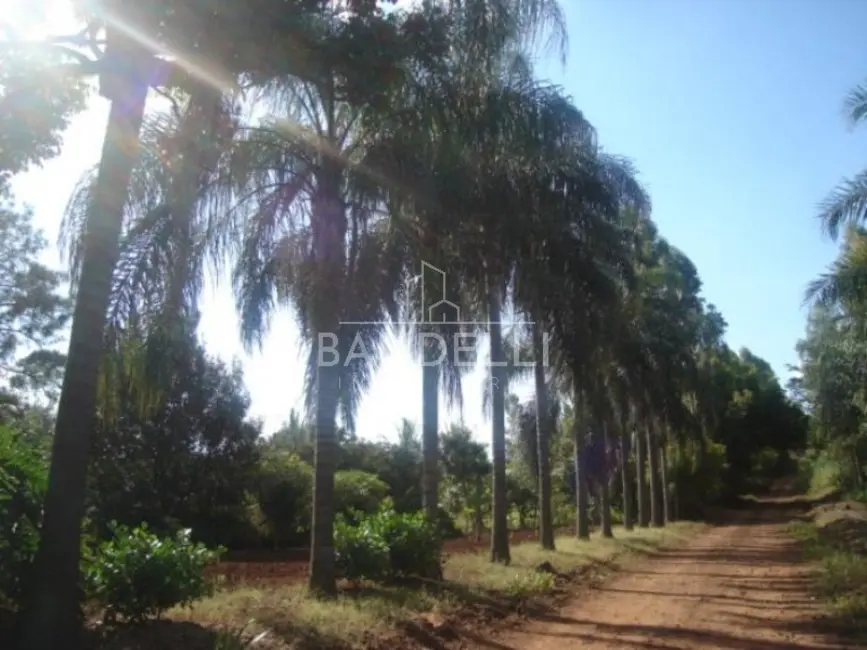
column 735, row 587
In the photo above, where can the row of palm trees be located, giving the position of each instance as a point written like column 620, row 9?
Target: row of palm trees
column 834, row 349
column 454, row 154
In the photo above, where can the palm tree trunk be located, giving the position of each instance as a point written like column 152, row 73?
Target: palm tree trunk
column 582, row 527
column 499, row 513
column 678, row 463
column 329, row 234
column 640, row 481
column 543, row 436
column 51, row 619
column 856, row 466
column 196, row 131
column 478, row 508
column 702, row 452
column 430, row 432
column 322, row 579
column 604, row 490
column 628, row 522
column 663, row 480
column 656, row 514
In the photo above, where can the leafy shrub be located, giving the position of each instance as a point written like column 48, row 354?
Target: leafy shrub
column 388, row 544
column 413, row 543
column 361, row 550
column 23, row 479
column 356, row 491
column 823, row 472
column 528, row 583
column 137, row 575
column 284, row 495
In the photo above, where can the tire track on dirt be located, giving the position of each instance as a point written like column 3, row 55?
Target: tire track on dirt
column 736, row 587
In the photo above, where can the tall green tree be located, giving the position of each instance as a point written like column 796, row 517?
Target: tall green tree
column 263, row 186
column 466, row 462
column 33, row 314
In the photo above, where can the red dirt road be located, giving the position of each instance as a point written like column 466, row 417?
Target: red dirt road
column 735, row 587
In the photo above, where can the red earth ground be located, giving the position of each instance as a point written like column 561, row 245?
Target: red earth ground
column 290, row 565
column 741, row 585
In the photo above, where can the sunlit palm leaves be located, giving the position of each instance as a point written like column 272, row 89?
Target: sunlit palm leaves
column 166, row 235
column 848, row 202
column 845, row 285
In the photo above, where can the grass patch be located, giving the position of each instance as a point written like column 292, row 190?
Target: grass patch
column 292, row 619
column 286, row 613
column 474, row 569
column 841, row 579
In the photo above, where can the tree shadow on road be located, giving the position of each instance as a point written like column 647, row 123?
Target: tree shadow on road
column 625, row 635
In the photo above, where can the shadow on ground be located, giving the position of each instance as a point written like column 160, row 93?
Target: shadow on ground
column 753, row 594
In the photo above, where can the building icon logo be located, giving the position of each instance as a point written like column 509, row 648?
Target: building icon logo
column 435, row 307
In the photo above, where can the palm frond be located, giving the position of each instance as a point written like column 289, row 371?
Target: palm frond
column 855, row 105
column 847, row 204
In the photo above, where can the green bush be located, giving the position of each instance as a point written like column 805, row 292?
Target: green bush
column 283, row 497
column 137, row 575
column 388, row 544
column 361, row 550
column 414, row 545
column 23, row 478
column 358, row 492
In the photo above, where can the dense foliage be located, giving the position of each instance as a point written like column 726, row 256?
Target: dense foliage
column 22, row 487
column 388, row 544
column 830, row 383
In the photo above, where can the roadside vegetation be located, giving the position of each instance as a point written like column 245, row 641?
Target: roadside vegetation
column 834, row 537
column 473, row 594
column 830, row 387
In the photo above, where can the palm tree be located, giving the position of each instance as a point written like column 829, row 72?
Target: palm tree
column 52, row 616
column 577, row 330
column 642, row 489
column 848, row 202
column 488, row 40
column 604, row 491
column 126, row 70
column 282, row 202
column 498, row 256
column 164, row 242
column 845, row 284
column 536, row 276
column 588, row 313
column 311, row 234
column 437, row 344
column 475, row 96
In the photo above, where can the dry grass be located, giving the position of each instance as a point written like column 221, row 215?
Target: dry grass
column 292, row 619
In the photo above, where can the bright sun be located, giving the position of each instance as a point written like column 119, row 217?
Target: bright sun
column 35, row 19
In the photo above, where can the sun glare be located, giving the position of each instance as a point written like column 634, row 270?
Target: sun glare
column 35, row 19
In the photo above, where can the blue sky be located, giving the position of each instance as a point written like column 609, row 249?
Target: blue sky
column 731, row 110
